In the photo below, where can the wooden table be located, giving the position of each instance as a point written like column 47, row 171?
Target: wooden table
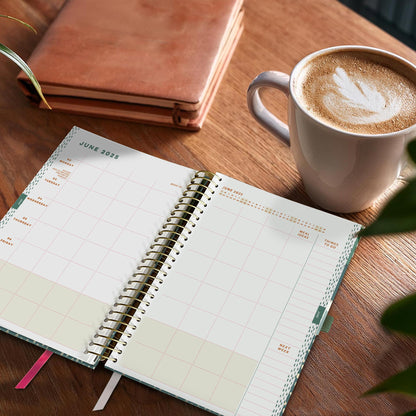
column 357, row 352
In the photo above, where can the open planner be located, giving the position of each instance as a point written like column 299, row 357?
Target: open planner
column 193, row 283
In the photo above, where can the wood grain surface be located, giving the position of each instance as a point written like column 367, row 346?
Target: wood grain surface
column 357, row 352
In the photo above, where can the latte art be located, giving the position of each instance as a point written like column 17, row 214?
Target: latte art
column 359, row 102
column 352, row 92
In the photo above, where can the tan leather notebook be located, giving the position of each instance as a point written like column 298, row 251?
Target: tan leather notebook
column 159, row 62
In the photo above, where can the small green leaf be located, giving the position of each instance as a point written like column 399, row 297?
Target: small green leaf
column 23, row 65
column 404, row 382
column 411, row 413
column 20, row 21
column 411, row 149
column 401, row 316
column 399, row 214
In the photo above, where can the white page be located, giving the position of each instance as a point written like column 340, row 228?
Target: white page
column 81, row 228
column 232, row 324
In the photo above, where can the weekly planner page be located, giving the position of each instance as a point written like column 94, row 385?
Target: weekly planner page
column 75, row 236
column 231, row 325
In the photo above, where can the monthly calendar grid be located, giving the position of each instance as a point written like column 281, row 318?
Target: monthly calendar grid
column 148, row 189
column 58, row 180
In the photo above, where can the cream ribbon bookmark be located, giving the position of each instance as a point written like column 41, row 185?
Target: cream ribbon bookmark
column 108, row 391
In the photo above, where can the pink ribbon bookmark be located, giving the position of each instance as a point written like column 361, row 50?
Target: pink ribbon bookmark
column 30, row 375
column 108, row 391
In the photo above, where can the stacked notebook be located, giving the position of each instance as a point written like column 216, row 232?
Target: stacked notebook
column 159, row 62
column 194, row 283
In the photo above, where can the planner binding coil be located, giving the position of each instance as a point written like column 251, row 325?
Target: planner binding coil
column 140, row 290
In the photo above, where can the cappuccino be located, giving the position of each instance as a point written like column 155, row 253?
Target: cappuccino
column 359, row 92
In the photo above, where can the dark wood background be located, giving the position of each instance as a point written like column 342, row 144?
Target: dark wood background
column 357, row 352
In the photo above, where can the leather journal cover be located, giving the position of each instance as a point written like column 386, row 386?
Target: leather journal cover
column 158, row 62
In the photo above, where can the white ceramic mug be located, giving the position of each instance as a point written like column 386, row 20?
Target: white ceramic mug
column 341, row 171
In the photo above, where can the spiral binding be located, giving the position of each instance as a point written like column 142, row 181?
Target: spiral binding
column 140, row 289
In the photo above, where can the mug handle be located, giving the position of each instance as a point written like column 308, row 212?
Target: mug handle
column 273, row 79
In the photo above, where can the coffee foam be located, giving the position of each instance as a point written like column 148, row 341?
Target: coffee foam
column 358, row 92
